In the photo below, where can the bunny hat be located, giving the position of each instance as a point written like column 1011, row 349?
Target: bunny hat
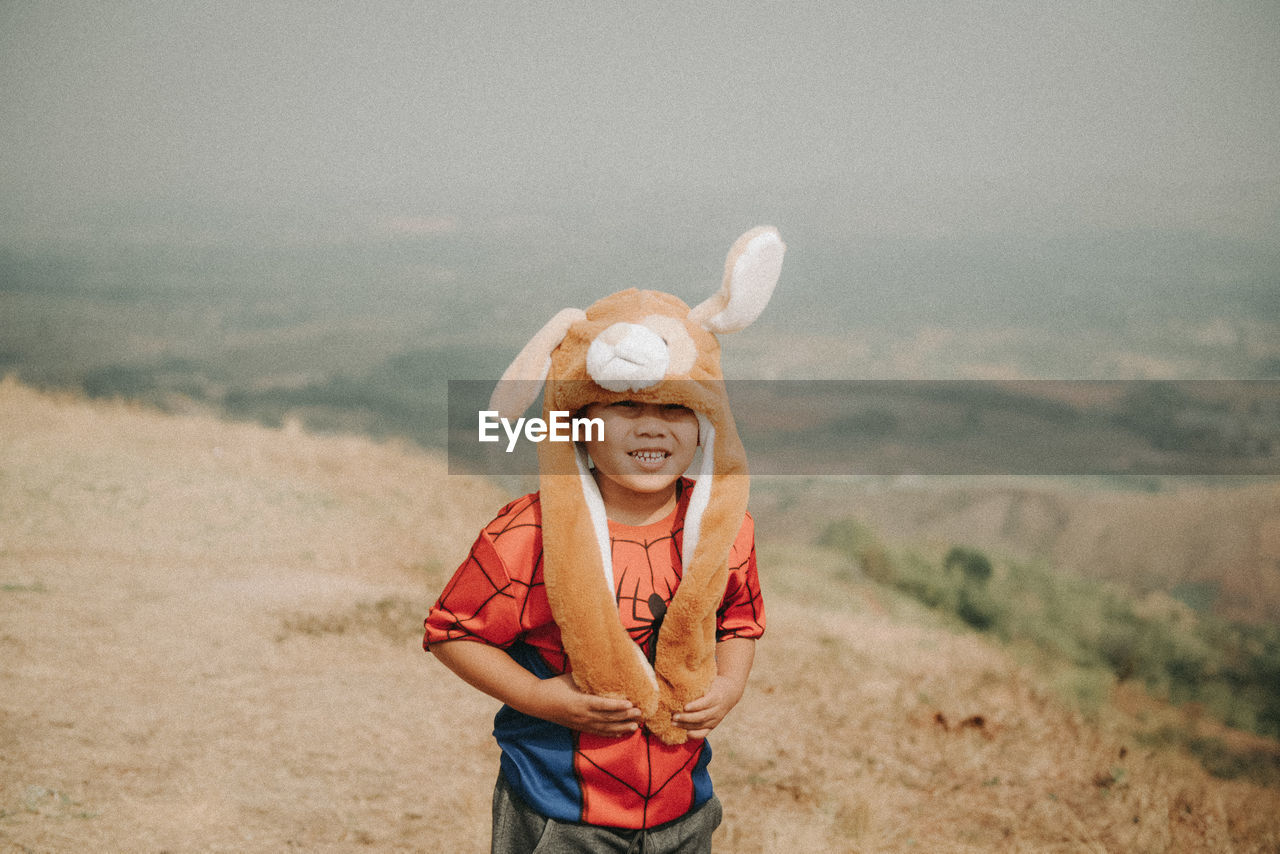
column 652, row 348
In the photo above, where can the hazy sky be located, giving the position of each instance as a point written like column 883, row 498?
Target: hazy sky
column 965, row 164
column 892, row 117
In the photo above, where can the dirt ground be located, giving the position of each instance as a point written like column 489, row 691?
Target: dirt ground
column 210, row 641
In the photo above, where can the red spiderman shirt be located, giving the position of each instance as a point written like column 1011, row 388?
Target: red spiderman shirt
column 497, row 597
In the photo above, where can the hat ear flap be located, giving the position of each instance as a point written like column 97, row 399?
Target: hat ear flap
column 523, row 378
column 750, row 272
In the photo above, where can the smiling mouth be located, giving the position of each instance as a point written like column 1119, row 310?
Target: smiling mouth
column 649, row 457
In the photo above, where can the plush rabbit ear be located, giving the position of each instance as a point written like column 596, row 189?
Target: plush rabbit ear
column 523, row 378
column 750, row 272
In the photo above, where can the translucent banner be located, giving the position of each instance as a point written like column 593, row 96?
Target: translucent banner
column 946, row 427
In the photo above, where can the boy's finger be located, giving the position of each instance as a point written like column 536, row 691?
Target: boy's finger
column 617, row 717
column 703, row 702
column 620, row 716
column 690, row 719
column 610, row 704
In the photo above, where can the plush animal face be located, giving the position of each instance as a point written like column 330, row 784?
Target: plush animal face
column 637, row 341
column 652, row 348
column 636, row 345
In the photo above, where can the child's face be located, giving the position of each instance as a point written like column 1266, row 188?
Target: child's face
column 646, row 446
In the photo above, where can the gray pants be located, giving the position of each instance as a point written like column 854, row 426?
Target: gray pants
column 519, row 830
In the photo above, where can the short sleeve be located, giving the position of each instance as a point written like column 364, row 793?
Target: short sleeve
column 479, row 603
column 741, row 613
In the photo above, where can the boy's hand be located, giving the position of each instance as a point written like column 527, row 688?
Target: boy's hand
column 561, row 702
column 557, row 699
column 705, row 713
column 733, row 664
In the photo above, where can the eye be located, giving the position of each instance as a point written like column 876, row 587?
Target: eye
column 676, row 408
column 625, row 404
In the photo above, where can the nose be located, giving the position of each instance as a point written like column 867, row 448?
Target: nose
column 651, row 420
column 628, row 357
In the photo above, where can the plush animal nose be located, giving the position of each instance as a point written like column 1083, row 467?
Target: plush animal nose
column 628, row 357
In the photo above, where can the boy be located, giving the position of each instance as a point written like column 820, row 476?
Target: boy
column 603, row 741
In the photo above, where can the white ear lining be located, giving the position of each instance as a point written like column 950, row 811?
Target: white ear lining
column 701, row 490
column 751, row 272
column 599, row 518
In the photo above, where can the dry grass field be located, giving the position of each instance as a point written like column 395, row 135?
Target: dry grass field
column 209, row 641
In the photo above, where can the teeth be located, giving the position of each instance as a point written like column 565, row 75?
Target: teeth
column 649, row 456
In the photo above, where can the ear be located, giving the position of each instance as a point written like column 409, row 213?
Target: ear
column 750, row 272
column 523, row 378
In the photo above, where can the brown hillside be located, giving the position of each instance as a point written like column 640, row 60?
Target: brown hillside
column 210, row 642
column 1224, row 538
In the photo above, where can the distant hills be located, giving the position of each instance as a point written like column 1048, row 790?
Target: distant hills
column 1216, row 547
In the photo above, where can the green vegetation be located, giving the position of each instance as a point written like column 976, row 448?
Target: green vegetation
column 1170, row 417
column 1230, row 670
